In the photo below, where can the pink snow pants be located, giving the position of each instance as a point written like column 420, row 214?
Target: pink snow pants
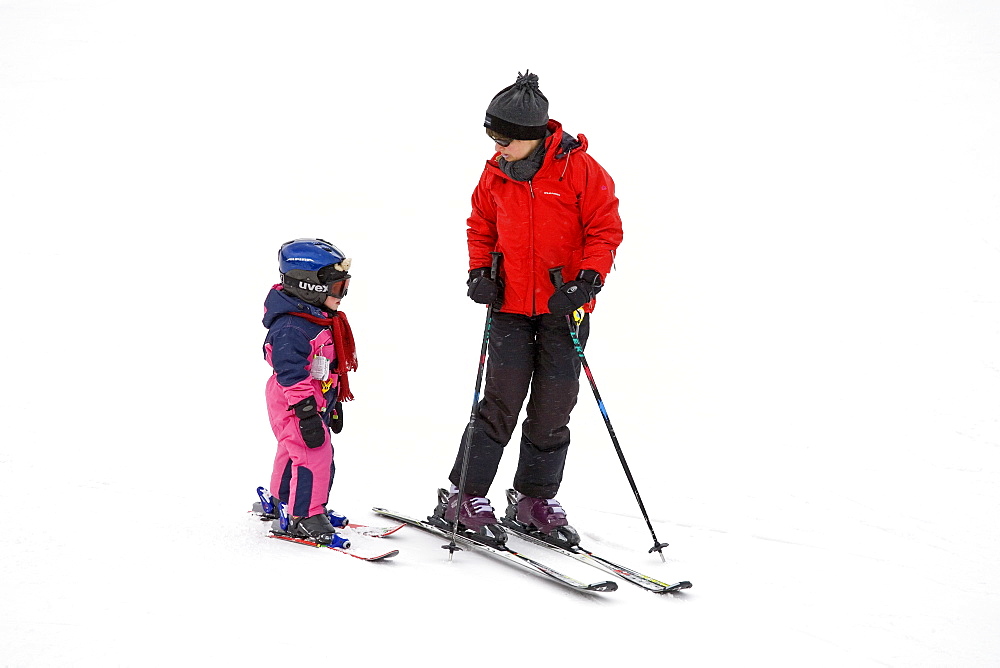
column 302, row 476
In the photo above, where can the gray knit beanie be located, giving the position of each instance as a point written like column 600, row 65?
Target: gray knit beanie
column 519, row 111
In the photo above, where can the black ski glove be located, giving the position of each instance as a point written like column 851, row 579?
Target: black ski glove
column 575, row 294
column 337, row 419
column 483, row 289
column 310, row 423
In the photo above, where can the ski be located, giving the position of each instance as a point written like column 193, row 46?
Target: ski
column 374, row 532
column 581, row 553
column 342, row 546
column 357, row 529
column 503, row 553
column 266, row 509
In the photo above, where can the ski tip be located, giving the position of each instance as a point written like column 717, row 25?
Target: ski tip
column 677, row 587
column 378, row 557
column 375, row 532
column 607, row 585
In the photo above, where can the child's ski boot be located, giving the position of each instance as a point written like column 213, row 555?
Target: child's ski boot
column 316, row 529
column 270, row 509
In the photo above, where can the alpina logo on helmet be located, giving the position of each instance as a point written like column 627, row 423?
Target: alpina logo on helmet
column 314, row 288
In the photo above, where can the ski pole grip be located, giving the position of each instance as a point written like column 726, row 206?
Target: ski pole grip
column 555, row 274
column 495, row 264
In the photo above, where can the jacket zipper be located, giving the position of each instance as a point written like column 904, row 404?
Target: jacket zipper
column 531, row 237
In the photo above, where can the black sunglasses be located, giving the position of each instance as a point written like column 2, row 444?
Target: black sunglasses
column 499, row 139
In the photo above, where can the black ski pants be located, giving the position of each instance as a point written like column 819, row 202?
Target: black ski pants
column 535, row 353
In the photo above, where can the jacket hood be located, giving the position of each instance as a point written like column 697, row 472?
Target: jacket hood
column 279, row 303
column 567, row 143
column 562, row 142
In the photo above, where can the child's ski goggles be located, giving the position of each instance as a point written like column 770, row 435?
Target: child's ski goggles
column 338, row 288
column 336, row 280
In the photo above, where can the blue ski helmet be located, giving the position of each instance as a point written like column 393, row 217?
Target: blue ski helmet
column 313, row 269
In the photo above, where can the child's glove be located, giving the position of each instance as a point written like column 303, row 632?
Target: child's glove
column 337, row 420
column 310, row 423
column 483, row 289
column 575, row 294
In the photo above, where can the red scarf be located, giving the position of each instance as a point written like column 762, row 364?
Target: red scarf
column 343, row 341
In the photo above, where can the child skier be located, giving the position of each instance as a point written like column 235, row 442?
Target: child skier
column 310, row 347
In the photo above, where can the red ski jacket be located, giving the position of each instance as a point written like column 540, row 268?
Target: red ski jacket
column 567, row 216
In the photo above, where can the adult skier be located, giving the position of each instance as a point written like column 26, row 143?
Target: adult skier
column 541, row 202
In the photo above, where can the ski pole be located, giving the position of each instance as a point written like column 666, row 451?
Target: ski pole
column 555, row 274
column 452, row 547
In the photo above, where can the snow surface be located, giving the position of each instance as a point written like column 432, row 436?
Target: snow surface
column 798, row 351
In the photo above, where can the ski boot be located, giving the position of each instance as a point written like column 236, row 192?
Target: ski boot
column 269, row 508
column 544, row 519
column 476, row 520
column 316, row 529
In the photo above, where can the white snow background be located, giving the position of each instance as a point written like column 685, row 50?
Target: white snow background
column 798, row 349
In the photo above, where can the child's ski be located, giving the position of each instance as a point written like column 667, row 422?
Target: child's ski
column 374, row 532
column 341, row 542
column 358, row 529
column 342, row 546
column 266, row 510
